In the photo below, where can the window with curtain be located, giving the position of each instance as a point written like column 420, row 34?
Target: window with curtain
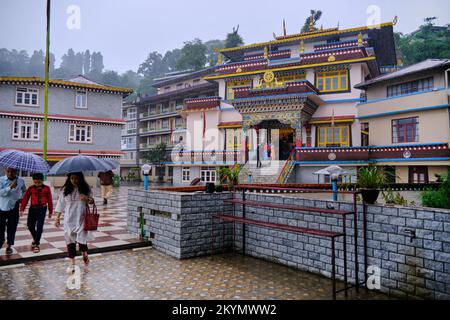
column 405, row 130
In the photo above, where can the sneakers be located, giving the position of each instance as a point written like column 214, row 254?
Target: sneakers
column 9, row 251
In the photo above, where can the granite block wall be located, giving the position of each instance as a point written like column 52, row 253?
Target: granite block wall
column 409, row 246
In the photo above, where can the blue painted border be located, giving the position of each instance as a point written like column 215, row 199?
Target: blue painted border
column 401, row 96
column 411, row 159
column 442, row 106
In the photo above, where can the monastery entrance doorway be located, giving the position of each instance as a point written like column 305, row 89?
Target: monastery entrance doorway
column 275, row 140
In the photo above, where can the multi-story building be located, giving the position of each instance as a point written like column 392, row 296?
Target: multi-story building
column 287, row 107
column 159, row 119
column 406, row 121
column 84, row 117
column 129, row 164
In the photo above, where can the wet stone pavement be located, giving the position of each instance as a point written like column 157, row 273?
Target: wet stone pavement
column 150, row 275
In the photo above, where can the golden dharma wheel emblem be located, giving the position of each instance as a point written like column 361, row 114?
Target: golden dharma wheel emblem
column 331, row 59
column 269, row 76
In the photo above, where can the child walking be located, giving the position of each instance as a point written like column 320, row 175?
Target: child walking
column 41, row 199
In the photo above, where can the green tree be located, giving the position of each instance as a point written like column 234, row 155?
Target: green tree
column 111, row 78
column 426, row 43
column 170, row 60
column 157, row 156
column 234, row 39
column 87, row 62
column 153, row 66
column 193, row 55
column 316, row 15
column 68, row 62
column 37, row 63
column 211, row 47
column 97, row 63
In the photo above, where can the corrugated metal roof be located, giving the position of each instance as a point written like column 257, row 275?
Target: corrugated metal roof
column 415, row 68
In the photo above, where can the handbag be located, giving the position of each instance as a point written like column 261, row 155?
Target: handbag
column 91, row 218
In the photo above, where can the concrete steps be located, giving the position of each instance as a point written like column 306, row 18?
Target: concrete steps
column 268, row 173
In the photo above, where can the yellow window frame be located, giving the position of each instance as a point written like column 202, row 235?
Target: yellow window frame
column 325, row 78
column 327, row 143
column 231, row 85
column 231, row 133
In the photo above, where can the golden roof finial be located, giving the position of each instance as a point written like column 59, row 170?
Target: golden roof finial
column 311, row 23
column 360, row 39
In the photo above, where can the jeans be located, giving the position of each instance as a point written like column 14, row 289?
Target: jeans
column 35, row 222
column 9, row 221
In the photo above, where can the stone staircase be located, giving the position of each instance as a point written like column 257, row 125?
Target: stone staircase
column 269, row 172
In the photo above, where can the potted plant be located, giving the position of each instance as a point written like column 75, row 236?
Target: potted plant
column 229, row 175
column 370, row 180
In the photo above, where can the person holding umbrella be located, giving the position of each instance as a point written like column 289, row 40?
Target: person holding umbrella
column 75, row 195
column 12, row 189
column 74, row 198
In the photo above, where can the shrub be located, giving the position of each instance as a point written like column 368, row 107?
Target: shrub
column 439, row 198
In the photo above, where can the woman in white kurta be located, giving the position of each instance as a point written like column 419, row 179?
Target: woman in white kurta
column 72, row 201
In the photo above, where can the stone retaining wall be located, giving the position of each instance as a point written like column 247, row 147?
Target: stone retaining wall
column 411, row 266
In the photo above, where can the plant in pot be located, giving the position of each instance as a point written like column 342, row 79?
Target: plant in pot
column 229, row 175
column 370, row 180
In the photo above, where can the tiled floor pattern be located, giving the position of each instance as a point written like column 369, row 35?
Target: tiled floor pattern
column 111, row 232
column 148, row 274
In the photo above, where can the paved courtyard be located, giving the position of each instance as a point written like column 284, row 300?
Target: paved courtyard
column 148, row 274
column 112, row 231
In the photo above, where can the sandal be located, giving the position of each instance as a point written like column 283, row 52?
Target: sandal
column 36, row 249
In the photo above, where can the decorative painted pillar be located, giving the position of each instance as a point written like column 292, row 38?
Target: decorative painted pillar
column 302, row 47
column 298, row 126
column 224, row 145
column 257, row 148
column 245, row 129
column 266, row 53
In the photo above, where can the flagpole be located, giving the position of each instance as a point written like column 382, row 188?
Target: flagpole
column 47, row 65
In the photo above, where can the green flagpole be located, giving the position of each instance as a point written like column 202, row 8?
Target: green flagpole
column 47, row 64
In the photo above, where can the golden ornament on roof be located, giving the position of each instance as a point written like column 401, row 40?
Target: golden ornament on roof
column 331, row 59
column 239, row 70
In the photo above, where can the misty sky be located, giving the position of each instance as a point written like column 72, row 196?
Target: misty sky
column 126, row 31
